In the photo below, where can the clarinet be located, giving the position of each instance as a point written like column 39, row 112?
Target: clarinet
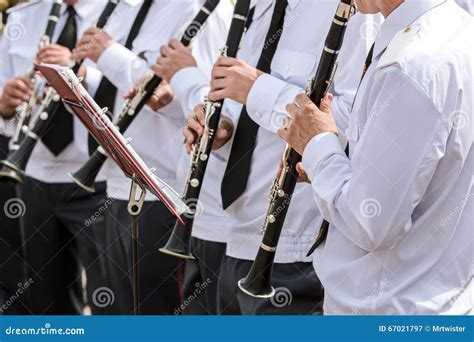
column 178, row 243
column 24, row 111
column 85, row 177
column 14, row 166
column 258, row 281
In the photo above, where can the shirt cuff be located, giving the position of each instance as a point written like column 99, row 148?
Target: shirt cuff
column 93, row 78
column 117, row 63
column 319, row 148
column 263, row 98
column 185, row 81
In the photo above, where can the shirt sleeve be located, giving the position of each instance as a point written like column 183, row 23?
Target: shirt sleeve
column 370, row 198
column 6, row 71
column 267, row 101
column 270, row 95
column 190, row 87
column 121, row 66
column 93, row 77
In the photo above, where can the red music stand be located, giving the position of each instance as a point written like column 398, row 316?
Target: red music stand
column 79, row 102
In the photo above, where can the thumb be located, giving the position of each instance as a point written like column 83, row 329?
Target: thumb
column 222, row 133
column 326, row 102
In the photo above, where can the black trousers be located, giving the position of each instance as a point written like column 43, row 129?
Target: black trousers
column 159, row 274
column 12, row 266
column 200, row 278
column 61, row 227
column 298, row 290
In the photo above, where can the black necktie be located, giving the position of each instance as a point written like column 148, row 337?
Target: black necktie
column 107, row 92
column 237, row 172
column 323, row 231
column 60, row 133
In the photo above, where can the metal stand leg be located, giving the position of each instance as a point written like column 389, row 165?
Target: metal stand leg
column 134, row 209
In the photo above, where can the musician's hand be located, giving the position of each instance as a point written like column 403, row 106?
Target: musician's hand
column 302, row 175
column 162, row 96
column 92, row 44
column 232, row 79
column 307, row 121
column 174, row 57
column 194, row 129
column 16, row 91
column 54, row 54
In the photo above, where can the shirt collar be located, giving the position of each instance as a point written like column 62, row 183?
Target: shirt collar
column 400, row 18
column 85, row 9
column 261, row 6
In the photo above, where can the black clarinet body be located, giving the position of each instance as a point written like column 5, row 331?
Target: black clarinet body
column 258, row 280
column 15, row 165
column 24, row 111
column 85, row 177
column 178, row 243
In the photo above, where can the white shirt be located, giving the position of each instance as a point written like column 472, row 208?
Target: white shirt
column 468, row 5
column 17, row 56
column 401, row 207
column 156, row 137
column 190, row 86
column 305, row 29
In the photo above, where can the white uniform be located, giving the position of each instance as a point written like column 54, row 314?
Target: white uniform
column 17, row 52
column 156, row 137
column 295, row 62
column 190, row 86
column 468, row 5
column 401, row 207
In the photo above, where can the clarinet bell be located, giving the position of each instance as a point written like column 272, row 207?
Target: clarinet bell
column 83, row 182
column 256, row 288
column 85, row 177
column 10, row 173
column 257, row 283
column 178, row 243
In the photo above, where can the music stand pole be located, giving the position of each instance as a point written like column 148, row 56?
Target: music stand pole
column 134, row 209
